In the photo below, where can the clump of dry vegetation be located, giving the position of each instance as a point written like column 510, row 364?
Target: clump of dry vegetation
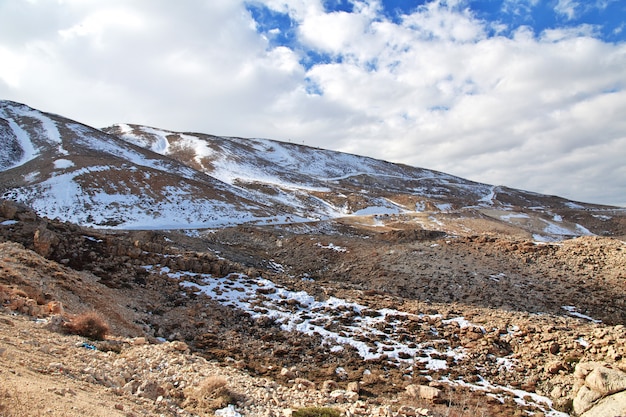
column 90, row 324
column 316, row 412
column 211, row 394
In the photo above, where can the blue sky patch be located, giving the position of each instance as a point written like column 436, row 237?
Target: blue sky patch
column 279, row 28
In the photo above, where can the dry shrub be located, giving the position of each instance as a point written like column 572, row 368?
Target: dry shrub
column 316, row 412
column 211, row 394
column 90, row 324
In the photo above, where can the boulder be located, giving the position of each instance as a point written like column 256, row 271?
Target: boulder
column 584, row 399
column 603, row 390
column 423, row 392
column 606, row 380
column 613, row 405
column 44, row 241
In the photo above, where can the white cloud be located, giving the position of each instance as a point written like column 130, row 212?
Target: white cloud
column 567, row 8
column 543, row 112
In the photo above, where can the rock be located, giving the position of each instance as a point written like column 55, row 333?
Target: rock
column 150, row 389
column 44, row 241
column 613, row 405
column 584, row 368
column 408, row 411
column 555, row 367
column 353, row 387
column 8, row 209
column 179, row 346
column 555, row 348
column 584, row 399
column 329, row 385
column 423, row 392
column 343, row 396
column 304, row 384
column 227, row 412
column 139, row 341
column 606, row 381
column 287, row 373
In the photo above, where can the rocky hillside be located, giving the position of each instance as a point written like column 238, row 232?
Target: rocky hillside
column 146, row 272
column 137, row 177
column 266, row 320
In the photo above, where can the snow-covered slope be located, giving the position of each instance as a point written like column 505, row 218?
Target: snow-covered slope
column 130, row 176
column 67, row 170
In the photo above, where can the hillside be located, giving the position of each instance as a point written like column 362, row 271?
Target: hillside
column 252, row 277
column 136, row 177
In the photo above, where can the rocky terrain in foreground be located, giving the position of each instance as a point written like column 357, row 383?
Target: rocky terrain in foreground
column 262, row 321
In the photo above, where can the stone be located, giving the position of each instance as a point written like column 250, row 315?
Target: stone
column 606, row 381
column 555, row 348
column 611, row 406
column 584, row 368
column 304, row 384
column 408, row 411
column 139, row 341
column 423, row 392
column 584, row 399
column 343, row 396
column 44, row 241
column 287, row 373
column 329, row 385
column 150, row 389
column 353, row 387
column 179, row 346
column 555, row 367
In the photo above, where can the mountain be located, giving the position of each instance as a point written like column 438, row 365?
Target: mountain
column 137, row 177
column 313, row 278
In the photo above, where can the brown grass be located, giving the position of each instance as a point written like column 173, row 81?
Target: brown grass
column 211, row 394
column 90, row 324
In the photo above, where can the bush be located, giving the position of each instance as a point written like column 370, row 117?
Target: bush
column 316, row 412
column 212, row 393
column 90, row 324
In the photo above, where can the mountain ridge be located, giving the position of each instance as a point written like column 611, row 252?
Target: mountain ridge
column 131, row 176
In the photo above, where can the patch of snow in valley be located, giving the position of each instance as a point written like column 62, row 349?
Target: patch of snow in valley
column 47, row 129
column 342, row 324
column 63, row 164
column 555, row 229
column 332, row 246
column 368, row 211
column 62, row 196
column 31, row 176
column 444, row 207
column 338, row 322
column 521, row 397
column 509, row 216
column 572, row 311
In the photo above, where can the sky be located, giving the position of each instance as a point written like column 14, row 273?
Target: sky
column 524, row 93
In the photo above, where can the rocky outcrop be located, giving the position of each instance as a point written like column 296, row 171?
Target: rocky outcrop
column 602, row 390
